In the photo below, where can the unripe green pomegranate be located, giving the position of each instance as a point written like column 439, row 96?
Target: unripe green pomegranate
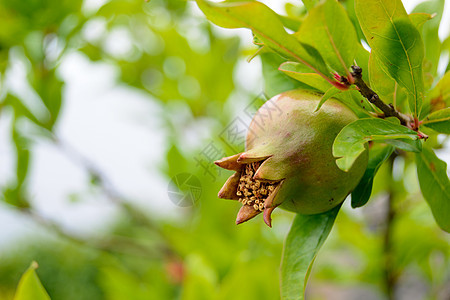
column 288, row 160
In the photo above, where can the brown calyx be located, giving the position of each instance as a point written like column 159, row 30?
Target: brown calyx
column 254, row 192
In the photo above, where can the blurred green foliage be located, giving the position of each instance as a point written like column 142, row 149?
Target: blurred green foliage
column 178, row 58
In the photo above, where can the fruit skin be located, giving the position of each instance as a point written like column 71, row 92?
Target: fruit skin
column 295, row 144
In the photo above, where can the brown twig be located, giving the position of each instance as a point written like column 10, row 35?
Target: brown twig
column 110, row 244
column 389, row 272
column 112, row 194
column 367, row 92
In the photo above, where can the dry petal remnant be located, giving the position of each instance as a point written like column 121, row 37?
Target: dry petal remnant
column 253, row 192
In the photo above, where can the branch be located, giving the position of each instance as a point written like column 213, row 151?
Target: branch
column 112, row 193
column 94, row 171
column 389, row 271
column 367, row 92
column 111, row 244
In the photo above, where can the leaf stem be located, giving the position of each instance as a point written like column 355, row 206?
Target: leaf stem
column 367, row 92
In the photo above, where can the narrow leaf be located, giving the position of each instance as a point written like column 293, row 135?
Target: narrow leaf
column 328, row 94
column 430, row 33
column 298, row 72
column 435, row 186
column 21, row 144
column 306, row 236
column 309, row 4
column 418, row 19
column 380, row 80
column 30, row 287
column 353, row 99
column 276, row 82
column 49, row 88
column 329, row 30
column 396, row 42
column 352, row 139
column 20, row 109
column 362, row 60
column 290, row 23
column 268, row 28
column 377, row 156
column 383, row 84
column 15, row 194
column 439, row 96
column 439, row 121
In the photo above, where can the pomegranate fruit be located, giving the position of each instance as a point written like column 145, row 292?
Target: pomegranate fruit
column 288, row 161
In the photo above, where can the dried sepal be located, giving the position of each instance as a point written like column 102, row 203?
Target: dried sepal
column 246, row 213
column 270, row 170
column 270, row 201
column 248, row 158
column 229, row 189
column 268, row 215
column 230, row 163
column 255, row 195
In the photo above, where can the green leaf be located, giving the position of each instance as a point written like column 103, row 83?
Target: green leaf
column 380, row 80
column 306, row 236
column 309, row 4
column 21, row 144
column 377, row 156
column 290, row 23
column 266, row 25
column 352, row 139
column 439, row 121
column 328, row 94
column 30, row 287
column 418, row 19
column 21, row 110
column 362, row 60
column 15, row 193
column 350, row 7
column 298, row 72
column 396, row 42
column 383, row 84
column 276, row 82
column 329, row 30
column 439, row 96
column 49, row 87
column 356, row 102
column 435, row 186
column 430, row 33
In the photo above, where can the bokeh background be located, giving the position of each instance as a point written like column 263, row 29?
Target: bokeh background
column 111, row 114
